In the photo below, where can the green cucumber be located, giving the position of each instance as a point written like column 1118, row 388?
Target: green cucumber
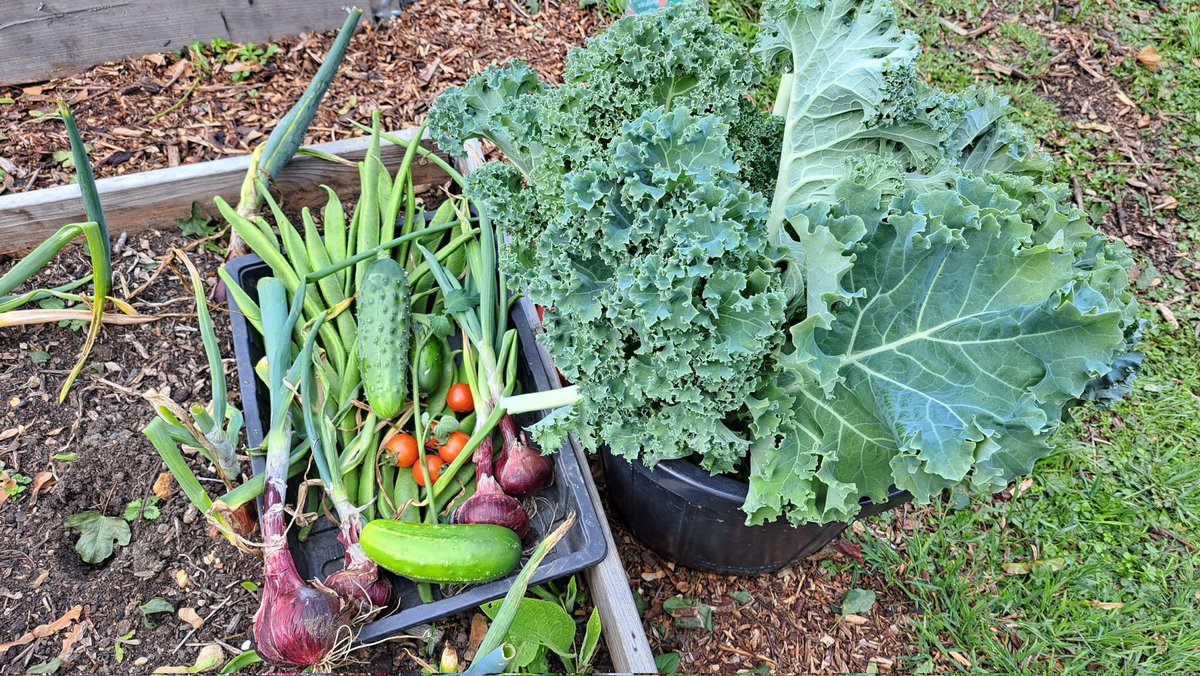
column 384, row 319
column 429, row 365
column 443, row 554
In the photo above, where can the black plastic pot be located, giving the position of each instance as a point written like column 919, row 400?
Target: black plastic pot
column 695, row 520
column 320, row 554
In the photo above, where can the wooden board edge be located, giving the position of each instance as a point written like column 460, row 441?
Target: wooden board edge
column 623, row 632
column 157, row 198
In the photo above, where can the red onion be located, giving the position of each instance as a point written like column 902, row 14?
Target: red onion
column 359, row 582
column 490, row 504
column 296, row 623
column 521, row 469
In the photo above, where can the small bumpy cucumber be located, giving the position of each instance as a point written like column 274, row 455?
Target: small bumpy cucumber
column 384, row 317
column 429, row 366
column 443, row 554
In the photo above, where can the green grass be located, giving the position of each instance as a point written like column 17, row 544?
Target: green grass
column 1091, row 527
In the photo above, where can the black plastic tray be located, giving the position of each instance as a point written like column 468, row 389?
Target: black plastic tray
column 321, row 554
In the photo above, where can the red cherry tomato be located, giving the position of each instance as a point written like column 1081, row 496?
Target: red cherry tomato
column 459, row 398
column 434, row 464
column 453, row 446
column 403, row 449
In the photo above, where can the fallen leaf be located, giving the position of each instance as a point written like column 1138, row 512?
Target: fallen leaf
column 1095, row 126
column 1124, row 98
column 190, row 616
column 69, row 640
column 210, row 657
column 12, row 431
column 855, row 620
column 163, row 486
column 181, row 578
column 1169, row 202
column 479, row 627
column 655, row 575
column 1027, row 567
column 1105, row 605
column 858, row 601
column 1149, row 57
column 960, row 658
column 1167, row 315
column 846, row 548
column 40, row 480
column 43, row 630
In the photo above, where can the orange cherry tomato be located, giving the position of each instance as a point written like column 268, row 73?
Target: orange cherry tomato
column 453, row 446
column 434, row 464
column 403, row 449
column 459, row 398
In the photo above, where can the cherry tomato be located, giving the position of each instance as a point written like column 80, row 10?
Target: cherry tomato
column 459, row 398
column 434, row 464
column 453, row 446
column 403, row 448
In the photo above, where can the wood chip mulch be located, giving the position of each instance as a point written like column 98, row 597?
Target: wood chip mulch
column 791, row 622
column 397, row 68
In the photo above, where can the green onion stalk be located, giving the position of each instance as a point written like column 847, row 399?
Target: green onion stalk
column 212, row 429
column 490, row 361
column 494, row 652
column 95, row 233
column 296, row 623
column 283, row 142
column 358, row 582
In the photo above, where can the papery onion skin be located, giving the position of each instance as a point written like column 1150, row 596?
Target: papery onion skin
column 521, row 469
column 359, row 582
column 491, row 505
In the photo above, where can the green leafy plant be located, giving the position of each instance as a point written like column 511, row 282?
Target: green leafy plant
column 154, row 606
column 876, row 286
column 97, row 534
column 13, row 483
column 148, row 509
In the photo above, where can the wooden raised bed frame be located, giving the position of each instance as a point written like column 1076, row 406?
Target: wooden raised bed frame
column 157, row 199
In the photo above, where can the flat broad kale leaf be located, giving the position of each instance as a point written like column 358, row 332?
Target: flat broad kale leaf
column 851, row 92
column 982, row 312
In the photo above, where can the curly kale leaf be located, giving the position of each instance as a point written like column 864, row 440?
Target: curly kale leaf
column 664, row 306
column 984, row 311
column 754, row 137
column 674, row 58
column 499, row 104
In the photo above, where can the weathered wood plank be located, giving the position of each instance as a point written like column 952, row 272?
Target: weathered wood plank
column 623, row 631
column 157, row 199
column 40, row 40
